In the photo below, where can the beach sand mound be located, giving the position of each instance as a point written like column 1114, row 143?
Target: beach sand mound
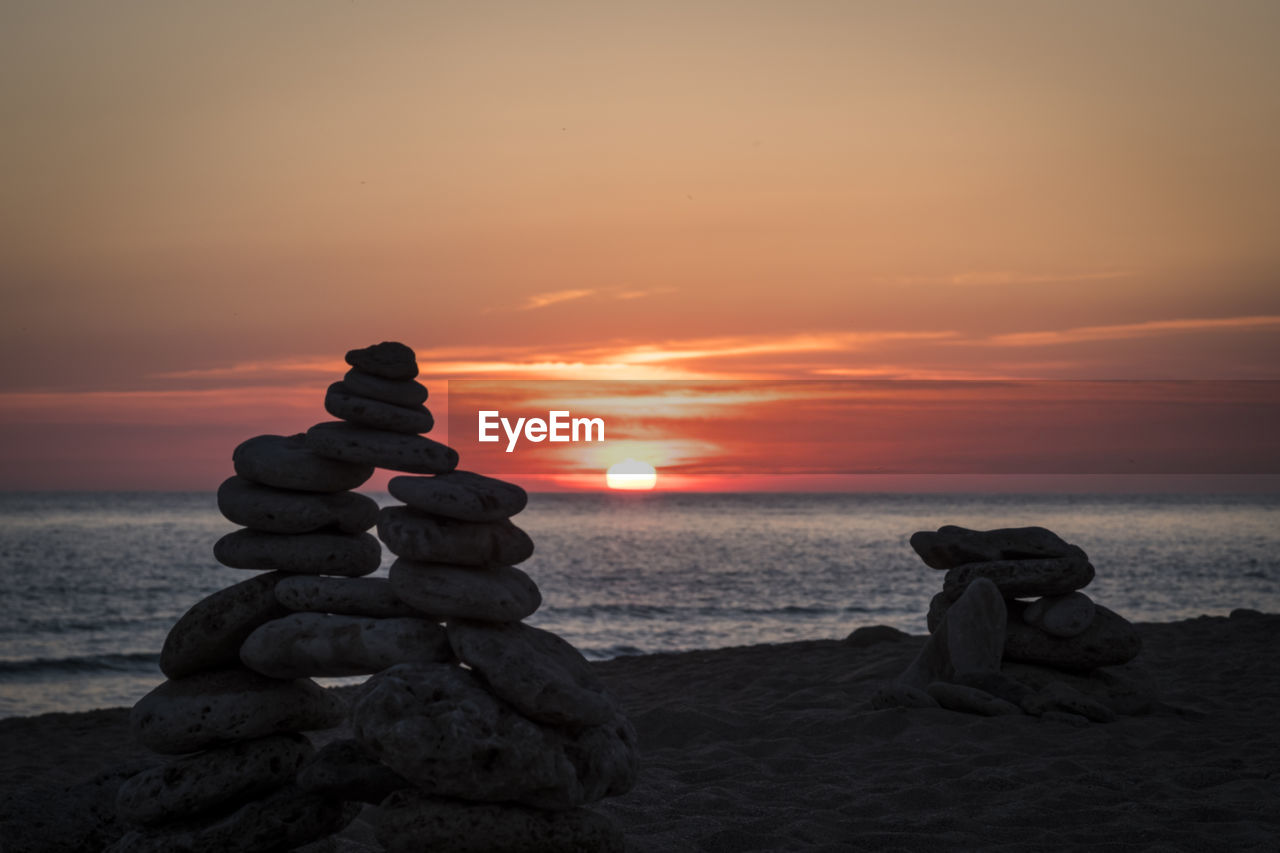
column 776, row 748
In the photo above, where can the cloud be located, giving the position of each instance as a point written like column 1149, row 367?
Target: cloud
column 1083, row 334
column 542, row 300
column 980, row 278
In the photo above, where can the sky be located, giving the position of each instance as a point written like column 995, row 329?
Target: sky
column 206, row 205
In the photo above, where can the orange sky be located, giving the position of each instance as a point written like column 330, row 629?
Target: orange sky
column 204, row 207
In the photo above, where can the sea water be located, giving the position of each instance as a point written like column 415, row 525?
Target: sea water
column 93, row 581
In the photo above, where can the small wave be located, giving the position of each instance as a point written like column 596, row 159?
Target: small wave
column 609, row 652
column 132, row 662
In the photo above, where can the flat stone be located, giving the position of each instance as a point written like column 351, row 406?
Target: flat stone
column 303, row 645
column 209, row 635
column 970, row 700
column 440, row 727
column 389, row 359
column 1023, row 578
column 1058, row 696
column 212, row 708
column 350, row 596
column 503, row 594
column 343, row 770
column 1124, row 688
column 426, row 538
column 395, row 451
column 319, row 553
column 461, row 495
column 1060, row 615
column 542, row 675
column 998, row 684
column 398, row 392
column 274, row 510
column 284, row 819
column 341, row 402
column 411, row 822
column 196, row 784
column 970, row 639
column 953, row 546
column 1109, row 640
column 287, row 462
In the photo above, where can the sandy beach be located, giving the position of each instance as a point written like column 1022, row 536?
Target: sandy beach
column 774, row 747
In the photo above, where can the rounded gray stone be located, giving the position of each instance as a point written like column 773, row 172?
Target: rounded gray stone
column 1061, row 615
column 274, row 510
column 426, row 538
column 461, row 495
column 969, row 639
column 350, row 596
column 283, row 820
column 411, row 821
column 195, row 784
column 213, row 708
column 953, row 546
column 324, row 645
column 287, row 462
column 440, row 727
column 1109, row 640
column 970, row 700
column 319, row 553
column 394, row 451
column 209, row 635
column 399, row 392
column 344, row 770
column 1021, row 578
column 503, row 594
column 389, row 359
column 542, row 675
column 341, row 402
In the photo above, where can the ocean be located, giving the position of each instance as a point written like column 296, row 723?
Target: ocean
column 93, row 581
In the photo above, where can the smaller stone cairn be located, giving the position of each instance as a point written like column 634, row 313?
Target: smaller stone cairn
column 1011, row 632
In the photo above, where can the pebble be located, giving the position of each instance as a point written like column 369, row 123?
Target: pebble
column 282, row 820
column 461, row 495
column 398, row 392
column 389, row 360
column 341, row 402
column 1061, row 615
column 350, row 596
column 953, row 546
column 274, row 510
column 503, row 594
column 395, row 451
column 303, row 645
column 1125, row 688
column 1058, row 696
column 870, row 635
column 209, row 635
column 542, row 675
column 411, row 821
column 426, row 538
column 212, row 708
column 321, row 553
column 894, row 694
column 343, row 770
column 1021, row 578
column 970, row 700
column 1109, row 640
column 287, row 462
column 195, row 784
column 408, row 717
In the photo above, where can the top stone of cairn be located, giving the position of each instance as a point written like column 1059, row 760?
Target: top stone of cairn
column 389, row 359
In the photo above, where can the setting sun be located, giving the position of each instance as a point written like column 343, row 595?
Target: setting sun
column 631, row 475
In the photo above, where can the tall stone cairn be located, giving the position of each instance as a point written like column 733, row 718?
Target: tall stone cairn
column 497, row 756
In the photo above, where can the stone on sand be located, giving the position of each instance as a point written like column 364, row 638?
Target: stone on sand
column 1060, row 615
column 389, row 360
column 350, row 596
column 411, row 821
column 398, row 392
column 273, row 510
column 542, row 675
column 286, row 462
column 303, row 645
column 1110, row 639
column 195, row 784
column 213, row 708
column 1019, row 578
column 209, row 635
column 1059, row 696
column 341, row 402
column 870, row 635
column 319, row 553
column 970, row 638
column 953, row 546
column 342, row 769
column 461, row 495
column 503, row 594
column 397, row 451
column 426, row 538
column 971, row 700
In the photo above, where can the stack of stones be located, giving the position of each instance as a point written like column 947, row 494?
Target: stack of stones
column 1026, row 640
column 525, row 729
